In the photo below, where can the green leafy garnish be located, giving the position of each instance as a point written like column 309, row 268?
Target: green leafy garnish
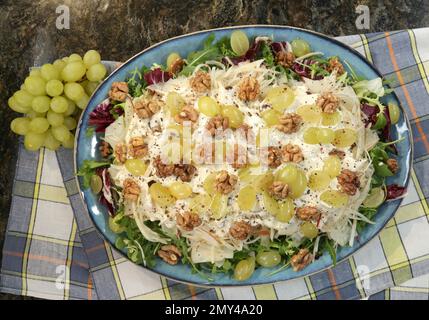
column 88, row 169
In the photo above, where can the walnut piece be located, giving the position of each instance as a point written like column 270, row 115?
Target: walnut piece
column 118, row 91
column 147, row 106
column 393, row 165
column 177, row 66
column 308, row 213
column 201, row 82
column 137, row 147
column 163, row 170
column 217, row 123
column 188, row 220
column 285, row 59
column 186, row 114
column 279, row 190
column 289, row 123
column 335, row 64
column 169, row 253
column 300, row 260
column 184, row 171
column 105, row 149
column 335, row 152
column 248, row 89
column 349, row 181
column 292, row 153
column 131, row 189
column 121, row 152
column 225, row 182
column 328, row 103
column 240, row 230
column 274, row 157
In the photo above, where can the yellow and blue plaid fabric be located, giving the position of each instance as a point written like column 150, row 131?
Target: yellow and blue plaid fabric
column 52, row 249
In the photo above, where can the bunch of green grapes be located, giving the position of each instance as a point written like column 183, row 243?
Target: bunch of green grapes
column 51, row 99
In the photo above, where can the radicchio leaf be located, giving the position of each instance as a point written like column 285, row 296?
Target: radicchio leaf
column 370, row 113
column 303, row 70
column 394, row 191
column 250, row 55
column 103, row 115
column 385, row 134
column 278, row 46
column 156, row 76
column 106, row 190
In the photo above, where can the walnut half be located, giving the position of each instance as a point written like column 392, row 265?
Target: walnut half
column 300, row 260
column 285, row 59
column 348, row 181
column 147, row 106
column 200, row 82
column 118, row 91
column 131, row 189
column 225, row 182
column 248, row 89
column 328, row 103
column 308, row 213
column 188, row 220
column 137, row 147
column 289, row 123
column 240, row 230
column 279, row 190
column 121, row 152
column 292, row 153
column 186, row 114
column 169, row 253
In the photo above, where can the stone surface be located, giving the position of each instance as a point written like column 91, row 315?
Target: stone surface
column 119, row 29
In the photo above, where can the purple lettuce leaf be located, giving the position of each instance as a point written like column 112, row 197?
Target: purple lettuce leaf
column 303, row 70
column 394, row 191
column 370, row 113
column 101, row 117
column 278, row 46
column 385, row 133
column 156, row 76
column 250, row 54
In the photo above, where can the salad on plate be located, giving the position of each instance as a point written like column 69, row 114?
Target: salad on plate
column 245, row 154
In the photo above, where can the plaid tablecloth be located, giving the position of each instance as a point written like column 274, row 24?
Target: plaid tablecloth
column 52, row 250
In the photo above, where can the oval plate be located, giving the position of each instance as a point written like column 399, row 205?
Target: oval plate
column 86, row 147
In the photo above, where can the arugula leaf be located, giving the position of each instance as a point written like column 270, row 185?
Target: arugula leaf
column 88, row 170
column 267, row 54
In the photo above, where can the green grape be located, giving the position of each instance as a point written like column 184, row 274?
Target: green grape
column 200, row 203
column 15, row 106
column 208, row 106
column 83, row 102
column 332, row 166
column 219, row 206
column 23, row 98
column 54, row 87
column 20, row 125
column 180, row 190
column 174, row 103
column 74, row 91
column 298, row 188
column 244, row 269
column 73, row 58
column 70, row 123
column 234, row 115
column 280, row 98
column 161, row 195
column 39, row 125
column 90, row 87
column 344, row 137
column 394, row 112
column 288, row 174
column 262, row 182
column 96, row 72
column 69, row 143
column 59, row 64
column 91, row 57
column 309, row 230
column 35, row 72
column 41, row 104
column 309, row 113
column 33, row 114
column 34, row 141
column 330, row 119
column 70, row 108
column 287, row 210
column 334, row 198
column 319, row 180
column 59, row 104
column 65, row 59
column 239, row 42
column 73, row 71
column 271, row 117
column 300, row 47
column 35, row 85
column 49, row 72
column 54, row 119
column 310, row 135
column 136, row 167
column 268, row 259
column 50, row 142
column 61, row 133
column 270, row 204
column 246, row 199
column 325, row 135
column 114, row 226
column 209, row 183
column 172, row 57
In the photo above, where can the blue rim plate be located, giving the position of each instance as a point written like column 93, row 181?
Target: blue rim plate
column 86, row 147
